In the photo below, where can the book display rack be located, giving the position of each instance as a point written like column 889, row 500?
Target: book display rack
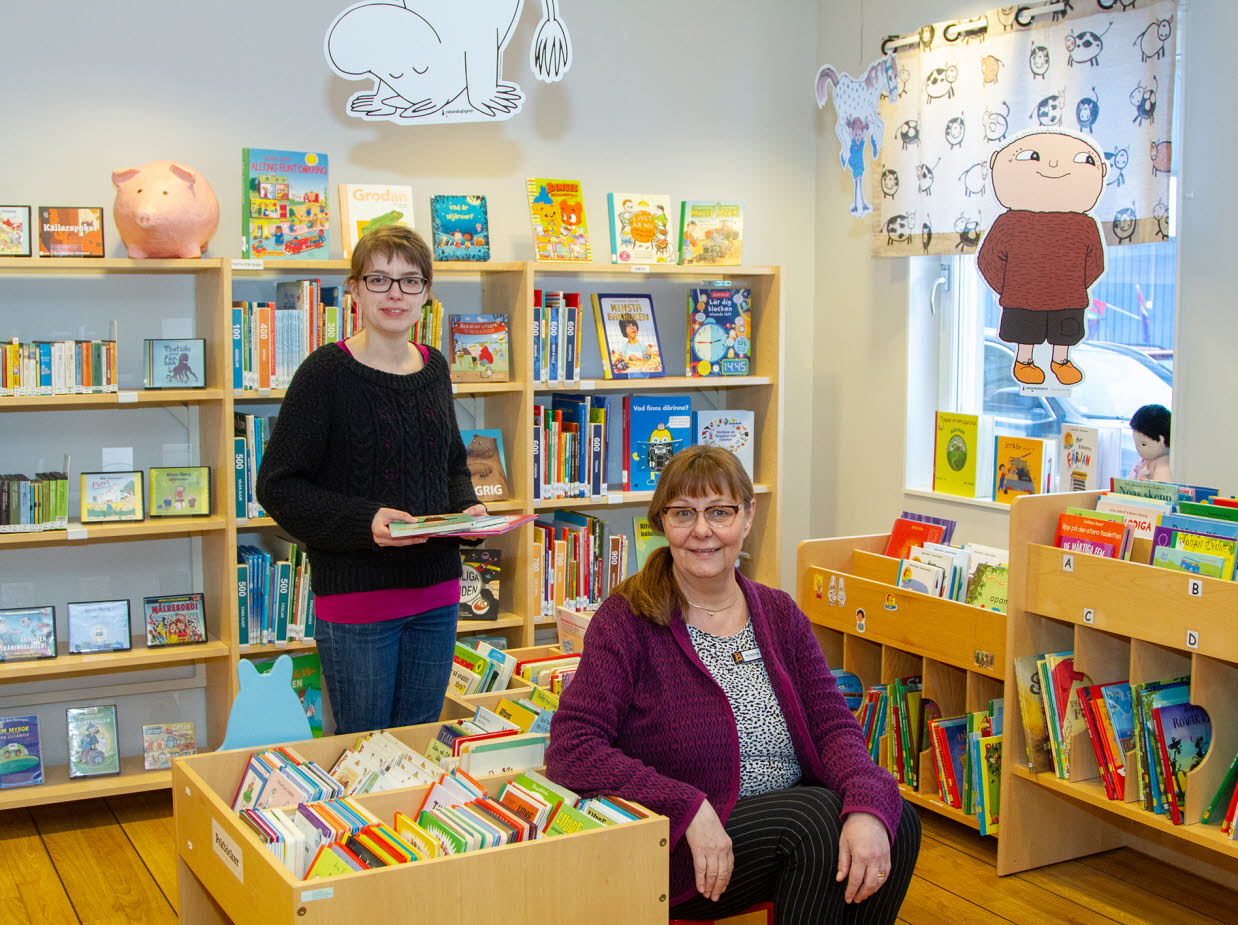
column 617, row 873
column 499, row 288
column 868, row 626
column 1124, row 621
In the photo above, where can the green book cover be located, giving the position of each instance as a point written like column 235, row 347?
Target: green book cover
column 306, row 681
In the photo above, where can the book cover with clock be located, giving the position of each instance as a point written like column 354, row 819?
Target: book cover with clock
column 719, row 332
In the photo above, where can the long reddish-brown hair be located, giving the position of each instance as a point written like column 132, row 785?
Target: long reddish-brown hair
column 695, row 472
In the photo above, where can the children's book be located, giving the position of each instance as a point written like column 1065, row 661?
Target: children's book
column 646, row 540
column 1021, row 466
column 27, row 632
column 1089, row 457
column 161, row 742
column 479, row 348
column 479, row 585
column 284, row 210
column 93, row 746
column 15, row 231
column 109, row 496
column 640, row 230
column 1184, row 731
column 711, row 232
column 557, row 210
column 179, row 492
column 21, row 754
column 907, row 533
column 920, row 576
column 1193, row 563
column 719, row 332
column 659, row 426
column 487, row 463
column 175, row 364
column 627, row 336
column 733, row 430
column 460, row 227
column 1032, row 710
column 988, row 586
column 306, row 682
column 366, row 206
column 962, row 448
column 70, row 231
column 99, row 626
column 174, row 619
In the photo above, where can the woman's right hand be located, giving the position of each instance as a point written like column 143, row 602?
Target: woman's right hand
column 382, row 532
column 711, row 852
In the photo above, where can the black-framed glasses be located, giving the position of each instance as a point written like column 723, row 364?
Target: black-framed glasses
column 409, row 285
column 716, row 515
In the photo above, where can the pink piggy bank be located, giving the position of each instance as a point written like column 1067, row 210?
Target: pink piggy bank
column 164, row 209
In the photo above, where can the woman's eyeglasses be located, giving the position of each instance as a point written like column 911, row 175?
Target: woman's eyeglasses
column 409, row 285
column 716, row 515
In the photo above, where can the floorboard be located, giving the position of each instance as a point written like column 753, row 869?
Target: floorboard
column 104, row 877
column 1149, row 874
column 146, row 819
column 30, row 888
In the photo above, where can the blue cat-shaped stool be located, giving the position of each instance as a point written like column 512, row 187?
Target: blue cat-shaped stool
column 266, row 710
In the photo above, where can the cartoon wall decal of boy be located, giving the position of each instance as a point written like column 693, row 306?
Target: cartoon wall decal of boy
column 1044, row 252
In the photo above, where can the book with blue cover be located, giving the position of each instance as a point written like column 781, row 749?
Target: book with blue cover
column 460, row 227
column 659, row 426
column 719, row 340
column 99, row 626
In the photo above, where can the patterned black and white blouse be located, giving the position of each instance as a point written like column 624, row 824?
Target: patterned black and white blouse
column 766, row 754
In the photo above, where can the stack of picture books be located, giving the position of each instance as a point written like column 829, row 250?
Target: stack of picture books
column 1145, row 738
column 66, row 367
column 275, row 602
column 479, row 668
column 971, row 573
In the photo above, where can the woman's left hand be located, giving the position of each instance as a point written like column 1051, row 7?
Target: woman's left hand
column 863, row 855
column 477, row 510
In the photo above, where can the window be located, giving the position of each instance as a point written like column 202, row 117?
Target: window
column 1127, row 356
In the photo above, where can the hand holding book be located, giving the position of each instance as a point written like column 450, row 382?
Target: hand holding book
column 384, row 519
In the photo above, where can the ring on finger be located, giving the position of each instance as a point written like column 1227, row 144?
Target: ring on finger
column 881, row 876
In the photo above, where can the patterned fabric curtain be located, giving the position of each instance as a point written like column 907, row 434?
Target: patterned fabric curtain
column 1104, row 68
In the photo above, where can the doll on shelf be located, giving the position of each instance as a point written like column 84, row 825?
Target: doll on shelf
column 1150, row 428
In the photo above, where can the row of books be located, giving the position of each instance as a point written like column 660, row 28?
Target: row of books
column 901, row 726
column 971, row 461
column 577, row 561
column 275, row 602
column 93, row 745
column 270, row 339
column 1146, row 732
column 1198, row 537
column 251, row 432
column 30, row 504
column 101, row 626
column 66, row 367
column 971, row 573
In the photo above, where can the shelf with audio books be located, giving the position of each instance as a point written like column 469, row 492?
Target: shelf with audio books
column 58, row 787
column 109, row 532
column 1158, row 644
column 140, row 657
column 226, row 873
column 885, row 635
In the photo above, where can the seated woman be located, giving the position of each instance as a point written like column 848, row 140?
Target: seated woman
column 705, row 697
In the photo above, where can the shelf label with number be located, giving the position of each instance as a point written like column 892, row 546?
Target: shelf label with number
column 125, row 398
column 239, row 264
column 76, row 533
column 1195, row 587
column 640, row 268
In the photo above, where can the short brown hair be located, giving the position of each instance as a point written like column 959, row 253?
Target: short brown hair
column 392, row 241
column 697, row 471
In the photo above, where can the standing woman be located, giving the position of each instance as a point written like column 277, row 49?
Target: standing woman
column 367, row 436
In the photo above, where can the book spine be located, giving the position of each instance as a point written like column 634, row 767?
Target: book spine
column 537, row 453
column 311, row 616
column 569, row 343
column 265, row 358
column 553, row 337
column 242, row 603
column 283, row 600
column 537, row 335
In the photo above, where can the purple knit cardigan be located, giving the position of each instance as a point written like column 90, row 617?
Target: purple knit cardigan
column 643, row 719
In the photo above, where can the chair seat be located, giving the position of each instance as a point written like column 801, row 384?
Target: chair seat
column 760, row 914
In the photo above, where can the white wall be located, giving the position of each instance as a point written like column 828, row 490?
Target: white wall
column 698, row 99
column 859, row 412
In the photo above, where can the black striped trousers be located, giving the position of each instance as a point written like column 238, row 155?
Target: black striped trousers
column 785, row 845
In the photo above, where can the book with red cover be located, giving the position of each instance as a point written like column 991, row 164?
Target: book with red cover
column 907, row 533
column 1107, row 533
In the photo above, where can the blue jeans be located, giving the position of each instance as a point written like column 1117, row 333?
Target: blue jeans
column 387, row 674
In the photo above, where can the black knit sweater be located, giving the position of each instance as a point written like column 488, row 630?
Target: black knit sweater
column 351, row 439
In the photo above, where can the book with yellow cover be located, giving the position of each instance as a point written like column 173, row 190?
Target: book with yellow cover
column 1021, row 466
column 557, row 210
column 961, row 447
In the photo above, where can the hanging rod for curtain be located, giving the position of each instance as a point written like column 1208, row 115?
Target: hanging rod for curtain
column 956, row 30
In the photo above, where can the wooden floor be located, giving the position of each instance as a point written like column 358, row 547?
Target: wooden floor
column 114, row 860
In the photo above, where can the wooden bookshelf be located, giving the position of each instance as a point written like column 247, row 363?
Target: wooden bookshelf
column 225, row 874
column 500, row 287
column 879, row 632
column 1124, row 621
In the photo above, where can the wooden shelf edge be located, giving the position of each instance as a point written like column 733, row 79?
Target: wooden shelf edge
column 663, row 382
column 57, row 787
column 1093, row 794
column 616, row 498
column 150, row 528
column 66, row 665
column 58, row 265
column 937, row 806
column 252, row 650
column 505, row 621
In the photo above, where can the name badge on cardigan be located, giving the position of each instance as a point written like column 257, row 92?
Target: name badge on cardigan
column 746, row 656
